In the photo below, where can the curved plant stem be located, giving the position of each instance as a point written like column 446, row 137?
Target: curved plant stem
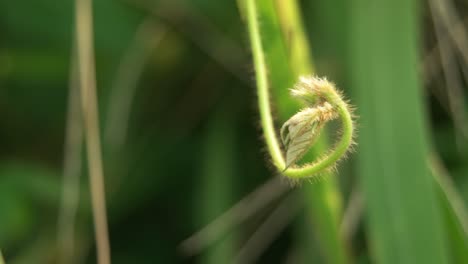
column 330, row 95
column 262, row 86
column 87, row 79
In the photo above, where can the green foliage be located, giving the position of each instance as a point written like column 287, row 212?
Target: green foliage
column 404, row 220
column 217, row 182
column 193, row 144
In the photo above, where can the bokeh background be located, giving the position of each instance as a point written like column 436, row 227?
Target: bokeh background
column 182, row 142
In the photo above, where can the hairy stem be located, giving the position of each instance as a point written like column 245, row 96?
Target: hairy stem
column 262, row 86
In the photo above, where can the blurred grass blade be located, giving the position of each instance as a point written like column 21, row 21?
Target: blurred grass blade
column 455, row 234
column 456, row 237
column 270, row 229
column 147, row 36
column 216, row 186
column 454, row 212
column 405, row 223
column 452, row 76
column 71, row 169
column 243, row 210
column 294, row 37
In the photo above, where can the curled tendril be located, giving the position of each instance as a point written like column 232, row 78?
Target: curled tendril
column 299, row 133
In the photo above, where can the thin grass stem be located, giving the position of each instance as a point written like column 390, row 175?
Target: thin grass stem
column 71, row 169
column 86, row 69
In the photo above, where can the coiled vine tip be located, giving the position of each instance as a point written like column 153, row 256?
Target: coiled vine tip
column 324, row 103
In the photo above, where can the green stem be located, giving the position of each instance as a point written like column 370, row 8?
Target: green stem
column 2, row 261
column 262, row 86
column 295, row 37
column 327, row 161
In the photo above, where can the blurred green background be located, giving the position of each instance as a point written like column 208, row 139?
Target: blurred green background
column 182, row 141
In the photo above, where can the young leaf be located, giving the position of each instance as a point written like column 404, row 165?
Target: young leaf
column 301, row 131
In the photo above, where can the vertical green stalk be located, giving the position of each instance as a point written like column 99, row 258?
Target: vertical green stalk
column 323, row 197
column 404, row 219
column 2, row 261
column 87, row 81
column 216, row 184
column 294, row 37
